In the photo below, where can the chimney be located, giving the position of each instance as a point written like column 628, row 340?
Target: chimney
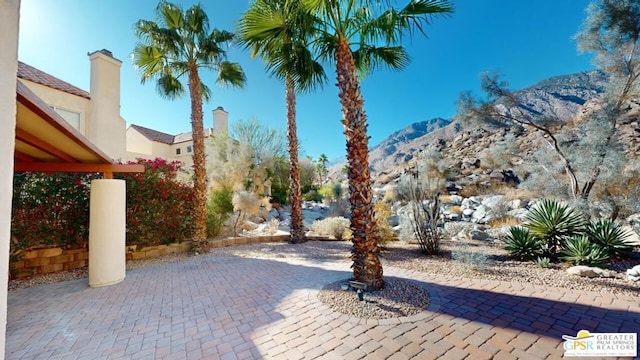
column 107, row 129
column 220, row 121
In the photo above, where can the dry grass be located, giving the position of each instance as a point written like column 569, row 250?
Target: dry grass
column 504, row 221
column 456, row 209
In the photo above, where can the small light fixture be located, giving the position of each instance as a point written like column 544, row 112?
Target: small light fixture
column 360, row 287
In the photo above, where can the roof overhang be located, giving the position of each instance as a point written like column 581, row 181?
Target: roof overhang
column 45, row 142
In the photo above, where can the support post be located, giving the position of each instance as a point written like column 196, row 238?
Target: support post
column 107, row 232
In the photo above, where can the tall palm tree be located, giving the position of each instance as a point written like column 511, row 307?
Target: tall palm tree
column 179, row 45
column 359, row 35
column 276, row 31
column 322, row 162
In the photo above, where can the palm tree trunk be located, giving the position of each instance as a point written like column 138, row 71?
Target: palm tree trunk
column 199, row 165
column 295, row 194
column 366, row 264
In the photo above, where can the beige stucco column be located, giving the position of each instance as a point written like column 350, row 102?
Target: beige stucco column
column 9, row 15
column 107, row 232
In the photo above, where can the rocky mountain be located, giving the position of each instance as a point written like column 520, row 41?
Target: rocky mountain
column 560, row 98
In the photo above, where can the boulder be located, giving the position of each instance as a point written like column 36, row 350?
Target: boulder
column 480, row 213
column 477, row 234
column 468, row 212
column 393, row 220
column 492, row 201
column 452, row 217
column 590, row 272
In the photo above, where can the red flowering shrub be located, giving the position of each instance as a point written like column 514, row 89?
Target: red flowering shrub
column 53, row 209
column 159, row 207
column 50, row 209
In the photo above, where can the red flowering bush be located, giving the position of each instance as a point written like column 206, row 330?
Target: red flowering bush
column 53, row 209
column 50, row 209
column 159, row 207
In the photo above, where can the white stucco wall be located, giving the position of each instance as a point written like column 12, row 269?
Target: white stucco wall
column 9, row 15
column 137, row 144
column 62, row 100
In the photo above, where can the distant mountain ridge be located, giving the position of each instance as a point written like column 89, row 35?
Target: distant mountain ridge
column 559, row 97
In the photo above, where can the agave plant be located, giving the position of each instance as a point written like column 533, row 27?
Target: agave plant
column 552, row 222
column 580, row 251
column 609, row 237
column 522, row 245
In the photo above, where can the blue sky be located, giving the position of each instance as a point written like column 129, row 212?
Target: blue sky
column 525, row 41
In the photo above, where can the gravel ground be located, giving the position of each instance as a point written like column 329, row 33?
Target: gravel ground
column 473, row 260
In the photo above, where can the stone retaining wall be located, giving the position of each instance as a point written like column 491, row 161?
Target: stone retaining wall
column 50, row 260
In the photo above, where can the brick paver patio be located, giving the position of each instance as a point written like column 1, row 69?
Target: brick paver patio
column 243, row 308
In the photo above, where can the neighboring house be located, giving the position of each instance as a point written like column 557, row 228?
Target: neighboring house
column 147, row 143
column 95, row 114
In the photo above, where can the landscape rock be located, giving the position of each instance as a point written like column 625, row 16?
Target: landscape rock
column 479, row 215
column 492, row 201
column 393, row 220
column 590, row 272
column 480, row 235
column 633, row 274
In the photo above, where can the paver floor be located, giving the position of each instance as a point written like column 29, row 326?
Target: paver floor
column 244, row 308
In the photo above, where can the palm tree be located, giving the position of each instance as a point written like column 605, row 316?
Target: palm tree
column 275, row 30
column 359, row 35
column 322, row 167
column 178, row 45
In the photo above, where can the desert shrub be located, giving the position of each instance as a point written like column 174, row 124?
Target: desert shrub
column 580, row 251
column 385, row 232
column 543, row 262
column 610, row 237
column 245, row 204
column 522, row 245
column 475, row 260
column 219, row 208
column 312, row 195
column 426, row 220
column 338, row 227
column 552, row 222
column 326, row 191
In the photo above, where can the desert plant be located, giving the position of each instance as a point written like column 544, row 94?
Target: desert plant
column 476, row 260
column 425, row 219
column 552, row 221
column 385, row 232
column 338, row 227
column 609, row 237
column 219, row 208
column 522, row 245
column 543, row 262
column 579, row 250
column 504, row 221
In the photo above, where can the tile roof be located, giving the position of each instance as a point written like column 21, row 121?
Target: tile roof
column 28, row 72
column 154, row 135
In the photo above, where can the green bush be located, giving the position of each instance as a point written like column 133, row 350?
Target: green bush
column 219, row 208
column 312, row 195
column 580, row 251
column 522, row 245
column 552, row 222
column 610, row 237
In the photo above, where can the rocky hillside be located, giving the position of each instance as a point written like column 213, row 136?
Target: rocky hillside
column 561, row 98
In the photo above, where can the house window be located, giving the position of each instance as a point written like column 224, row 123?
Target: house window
column 72, row 117
column 189, row 149
column 178, row 151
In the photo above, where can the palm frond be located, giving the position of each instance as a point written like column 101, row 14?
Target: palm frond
column 196, row 20
column 368, row 58
column 231, row 74
column 169, row 86
column 170, row 15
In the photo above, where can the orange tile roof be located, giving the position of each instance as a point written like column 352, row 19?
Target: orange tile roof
column 154, row 135
column 28, row 72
